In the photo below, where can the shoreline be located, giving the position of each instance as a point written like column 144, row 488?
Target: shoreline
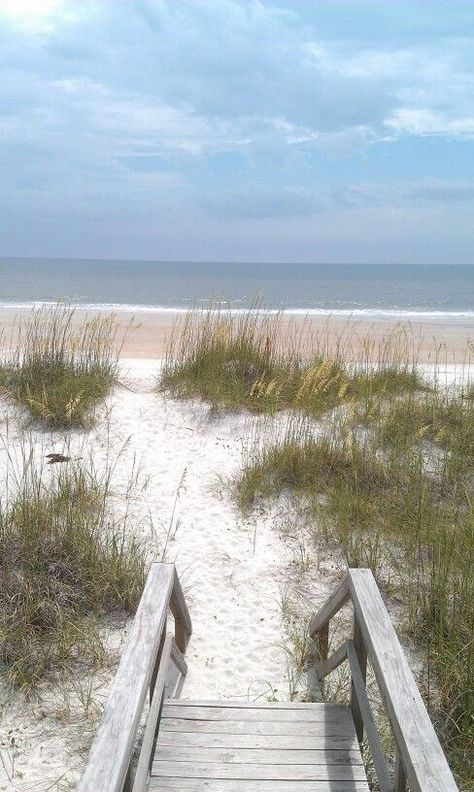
column 444, row 339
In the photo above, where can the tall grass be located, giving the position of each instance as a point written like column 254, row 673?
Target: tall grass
column 64, row 562
column 60, row 371
column 260, row 362
column 397, row 495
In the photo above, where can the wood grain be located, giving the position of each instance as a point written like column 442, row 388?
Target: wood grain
column 423, row 760
column 109, row 756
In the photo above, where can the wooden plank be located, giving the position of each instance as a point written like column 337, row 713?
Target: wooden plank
column 149, row 737
column 306, row 714
column 297, row 772
column 360, row 692
column 182, row 619
column 242, row 785
column 111, row 750
column 423, row 760
column 341, row 729
column 277, row 741
column 335, row 602
column 256, row 705
column 325, row 667
column 272, row 756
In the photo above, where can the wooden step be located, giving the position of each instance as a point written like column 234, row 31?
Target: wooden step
column 277, row 747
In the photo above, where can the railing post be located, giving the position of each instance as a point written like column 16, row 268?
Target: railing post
column 400, row 776
column 157, row 662
column 361, row 652
column 323, row 649
column 182, row 619
column 127, row 784
column 323, row 641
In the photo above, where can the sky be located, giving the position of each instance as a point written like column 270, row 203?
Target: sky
column 249, row 130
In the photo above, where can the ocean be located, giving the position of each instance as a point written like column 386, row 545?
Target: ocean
column 385, row 291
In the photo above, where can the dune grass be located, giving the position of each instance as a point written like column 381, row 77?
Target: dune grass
column 59, row 371
column 256, row 361
column 65, row 561
column 397, row 497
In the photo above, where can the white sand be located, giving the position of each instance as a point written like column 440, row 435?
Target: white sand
column 233, row 570
column 236, row 572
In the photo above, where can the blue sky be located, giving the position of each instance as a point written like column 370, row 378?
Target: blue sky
column 340, row 130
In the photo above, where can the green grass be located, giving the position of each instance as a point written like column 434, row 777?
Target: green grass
column 64, row 563
column 397, row 497
column 252, row 361
column 59, row 371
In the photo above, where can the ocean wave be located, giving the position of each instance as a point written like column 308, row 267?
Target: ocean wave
column 407, row 314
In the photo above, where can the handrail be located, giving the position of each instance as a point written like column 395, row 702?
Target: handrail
column 143, row 665
column 420, row 762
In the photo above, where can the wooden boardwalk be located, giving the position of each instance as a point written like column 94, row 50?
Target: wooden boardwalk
column 231, row 746
column 235, row 747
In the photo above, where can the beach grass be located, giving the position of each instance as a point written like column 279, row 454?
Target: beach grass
column 65, row 562
column 395, row 496
column 60, row 371
column 255, row 361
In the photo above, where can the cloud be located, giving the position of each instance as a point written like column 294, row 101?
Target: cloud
column 422, row 121
column 232, row 110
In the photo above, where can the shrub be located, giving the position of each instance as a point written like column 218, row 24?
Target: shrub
column 60, row 373
column 64, row 561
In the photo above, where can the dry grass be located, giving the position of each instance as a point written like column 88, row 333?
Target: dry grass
column 397, row 496
column 60, row 373
column 253, row 361
column 65, row 561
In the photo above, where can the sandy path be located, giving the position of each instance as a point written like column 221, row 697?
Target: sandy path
column 233, row 570
column 236, row 572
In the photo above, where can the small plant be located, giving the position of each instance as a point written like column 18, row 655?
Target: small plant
column 64, row 561
column 58, row 371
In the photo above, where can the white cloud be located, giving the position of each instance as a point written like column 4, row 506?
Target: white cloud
column 423, row 121
column 30, row 13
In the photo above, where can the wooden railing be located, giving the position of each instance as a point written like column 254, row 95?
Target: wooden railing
column 152, row 661
column 420, row 762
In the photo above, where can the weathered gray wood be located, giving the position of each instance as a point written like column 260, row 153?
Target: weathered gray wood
column 325, row 667
column 297, row 772
column 156, row 666
column 241, row 785
column 178, row 659
column 179, row 609
column 145, row 759
column 259, row 756
column 360, row 653
column 423, row 760
column 255, row 705
column 177, row 670
column 400, row 776
column 321, row 714
column 365, row 711
column 335, row 602
column 111, row 750
column 342, row 729
column 276, row 741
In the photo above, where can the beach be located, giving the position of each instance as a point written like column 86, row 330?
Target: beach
column 235, row 571
column 243, row 576
column 146, row 333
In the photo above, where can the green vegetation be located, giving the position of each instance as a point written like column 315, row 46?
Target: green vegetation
column 254, row 362
column 388, row 476
column 64, row 562
column 60, row 372
column 397, row 497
